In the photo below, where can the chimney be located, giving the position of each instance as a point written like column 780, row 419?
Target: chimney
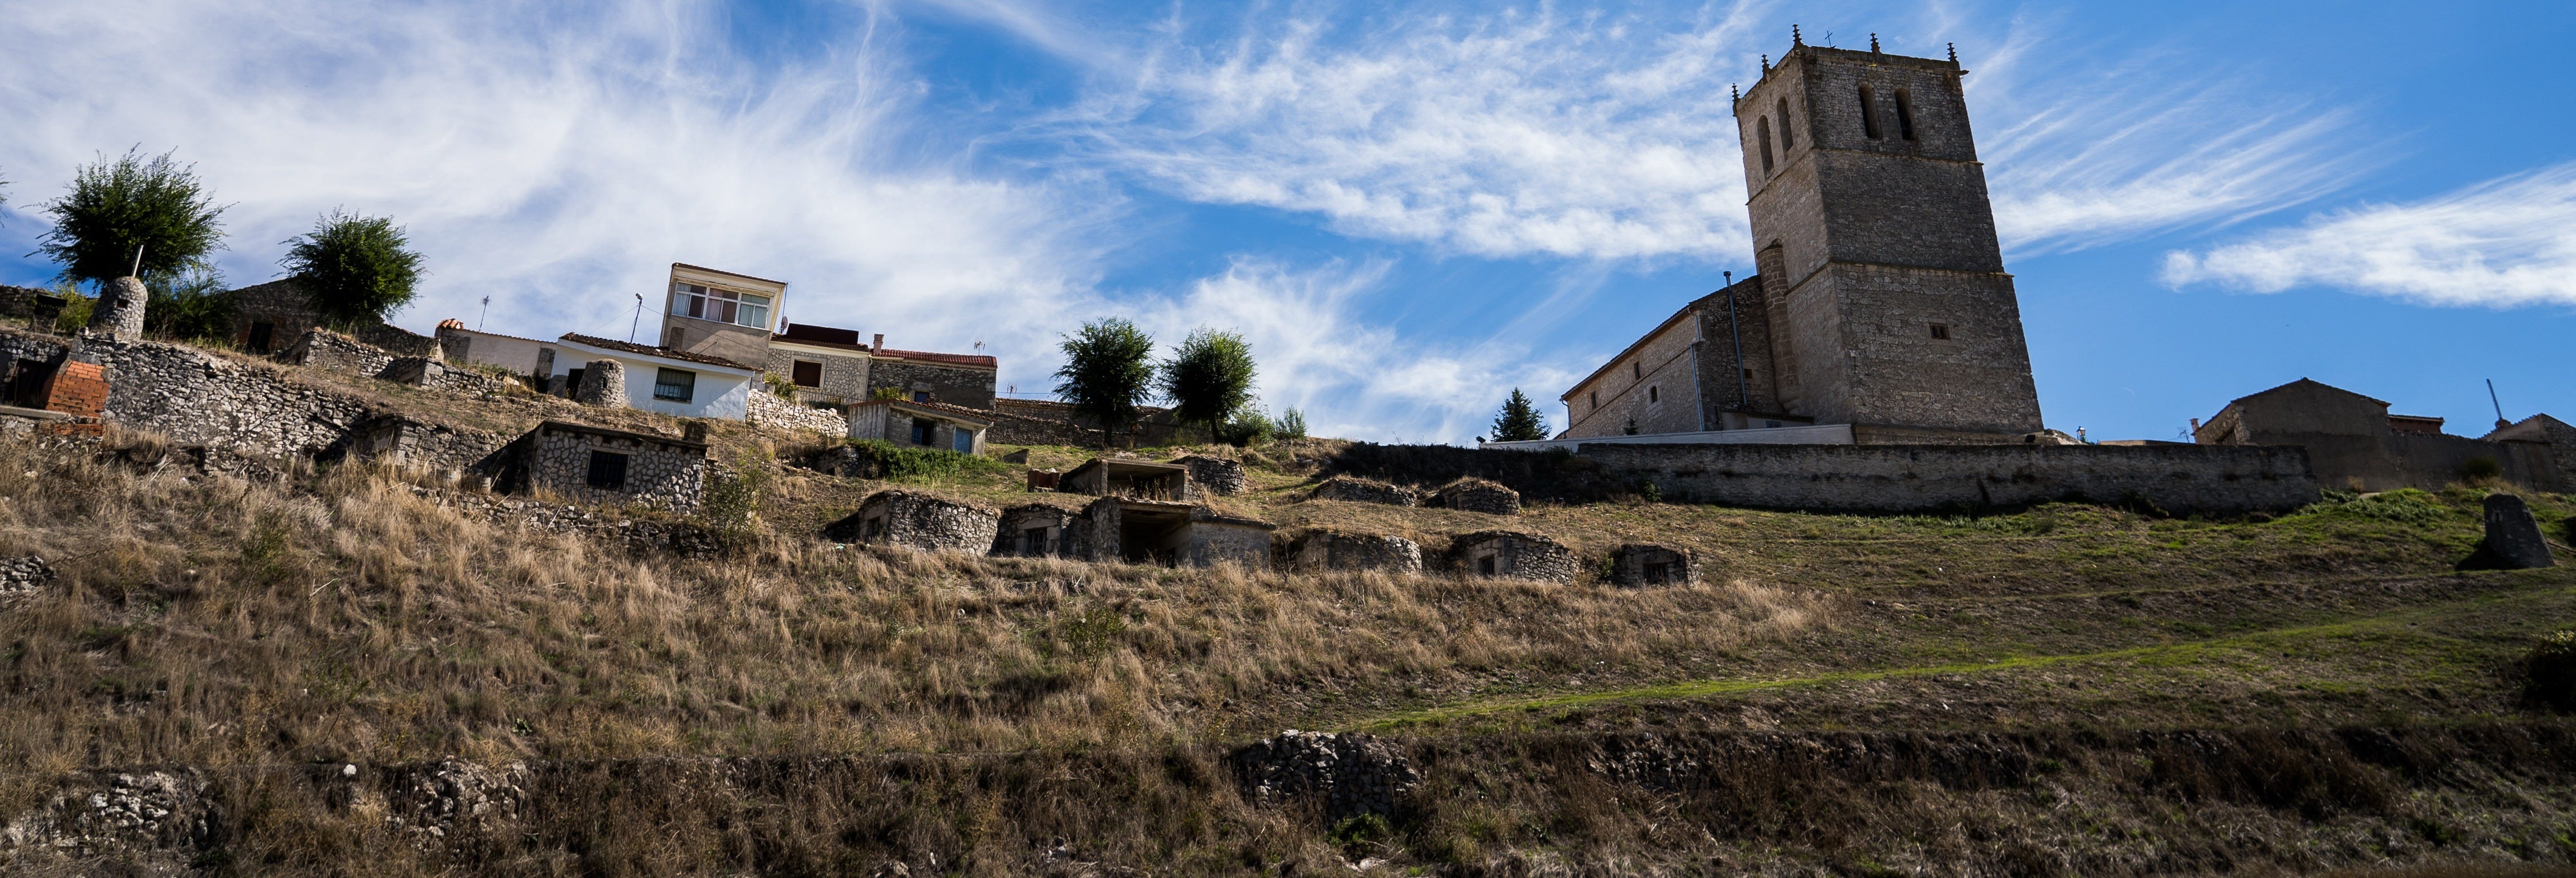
column 879, row 345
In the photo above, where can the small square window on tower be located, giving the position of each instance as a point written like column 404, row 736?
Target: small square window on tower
column 1941, row 332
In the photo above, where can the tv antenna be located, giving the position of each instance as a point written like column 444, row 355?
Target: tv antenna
column 2501, row 423
column 486, row 316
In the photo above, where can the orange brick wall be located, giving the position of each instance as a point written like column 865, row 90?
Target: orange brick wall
column 78, row 389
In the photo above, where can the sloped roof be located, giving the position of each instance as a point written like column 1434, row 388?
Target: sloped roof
column 628, row 347
column 951, row 359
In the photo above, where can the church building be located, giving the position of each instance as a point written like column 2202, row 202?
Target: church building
column 1881, row 300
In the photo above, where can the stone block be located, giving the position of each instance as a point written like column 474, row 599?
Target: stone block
column 1352, row 774
column 2513, row 538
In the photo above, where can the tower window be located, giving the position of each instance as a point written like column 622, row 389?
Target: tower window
column 1904, row 114
column 1868, row 113
column 1652, row 396
column 1941, row 331
column 1788, row 136
column 1596, row 400
column 1762, row 131
column 1635, row 371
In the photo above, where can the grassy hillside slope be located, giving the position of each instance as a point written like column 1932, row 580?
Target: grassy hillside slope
column 2066, row 690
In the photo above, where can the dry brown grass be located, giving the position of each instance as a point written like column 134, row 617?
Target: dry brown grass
column 352, row 617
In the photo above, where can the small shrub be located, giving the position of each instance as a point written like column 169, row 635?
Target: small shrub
column 1291, row 425
column 2549, row 672
column 730, row 508
column 2480, row 468
column 781, row 386
column 899, row 462
column 1653, row 493
column 1362, row 829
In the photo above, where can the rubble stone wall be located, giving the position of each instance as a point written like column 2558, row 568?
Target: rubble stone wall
column 324, row 349
column 1334, row 550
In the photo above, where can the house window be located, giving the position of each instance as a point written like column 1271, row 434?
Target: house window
column 720, row 305
column 1941, row 332
column 676, row 385
column 962, row 440
column 921, row 396
column 1868, row 114
column 808, row 374
column 1904, row 114
column 261, row 336
column 607, row 471
column 922, row 429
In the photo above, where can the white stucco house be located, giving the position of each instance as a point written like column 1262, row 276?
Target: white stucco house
column 660, row 379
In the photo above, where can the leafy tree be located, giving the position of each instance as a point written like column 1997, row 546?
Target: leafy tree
column 1519, row 421
column 118, row 205
column 188, row 306
column 1107, row 372
column 355, row 268
column 1209, row 380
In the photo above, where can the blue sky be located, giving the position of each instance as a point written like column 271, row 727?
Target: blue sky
column 1408, row 209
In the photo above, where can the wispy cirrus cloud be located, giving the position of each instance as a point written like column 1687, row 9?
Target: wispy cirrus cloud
column 2502, row 243
column 1510, row 134
column 2084, row 151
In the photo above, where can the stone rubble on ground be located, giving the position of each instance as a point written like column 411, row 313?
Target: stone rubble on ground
column 441, row 803
column 1359, row 490
column 765, row 409
column 1353, row 774
column 23, row 575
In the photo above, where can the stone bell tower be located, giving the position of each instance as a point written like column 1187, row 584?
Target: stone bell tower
column 1882, row 283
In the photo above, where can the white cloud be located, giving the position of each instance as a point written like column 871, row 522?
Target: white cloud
column 1504, row 136
column 2501, row 243
column 2087, row 146
column 1350, row 377
column 554, row 157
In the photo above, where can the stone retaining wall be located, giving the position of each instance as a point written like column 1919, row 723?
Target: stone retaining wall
column 1334, row 550
column 2178, row 479
column 324, row 349
column 765, row 409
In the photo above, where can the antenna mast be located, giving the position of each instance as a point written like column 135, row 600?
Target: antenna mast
column 2501, row 423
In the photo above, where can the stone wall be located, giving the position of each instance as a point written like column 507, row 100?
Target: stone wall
column 844, row 377
column 431, row 374
column 1347, row 775
column 2180, row 479
column 1476, row 495
column 1511, row 555
column 920, row 521
column 1214, row 475
column 197, row 398
column 1039, row 530
column 1336, row 550
column 1044, row 422
column 955, row 385
column 412, row 443
column 1210, row 540
column 283, row 306
column 1639, row 564
column 603, row 383
column 556, row 457
column 1358, row 490
column 765, row 409
column 324, row 349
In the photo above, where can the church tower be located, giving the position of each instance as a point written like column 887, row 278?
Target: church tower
column 1881, row 281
